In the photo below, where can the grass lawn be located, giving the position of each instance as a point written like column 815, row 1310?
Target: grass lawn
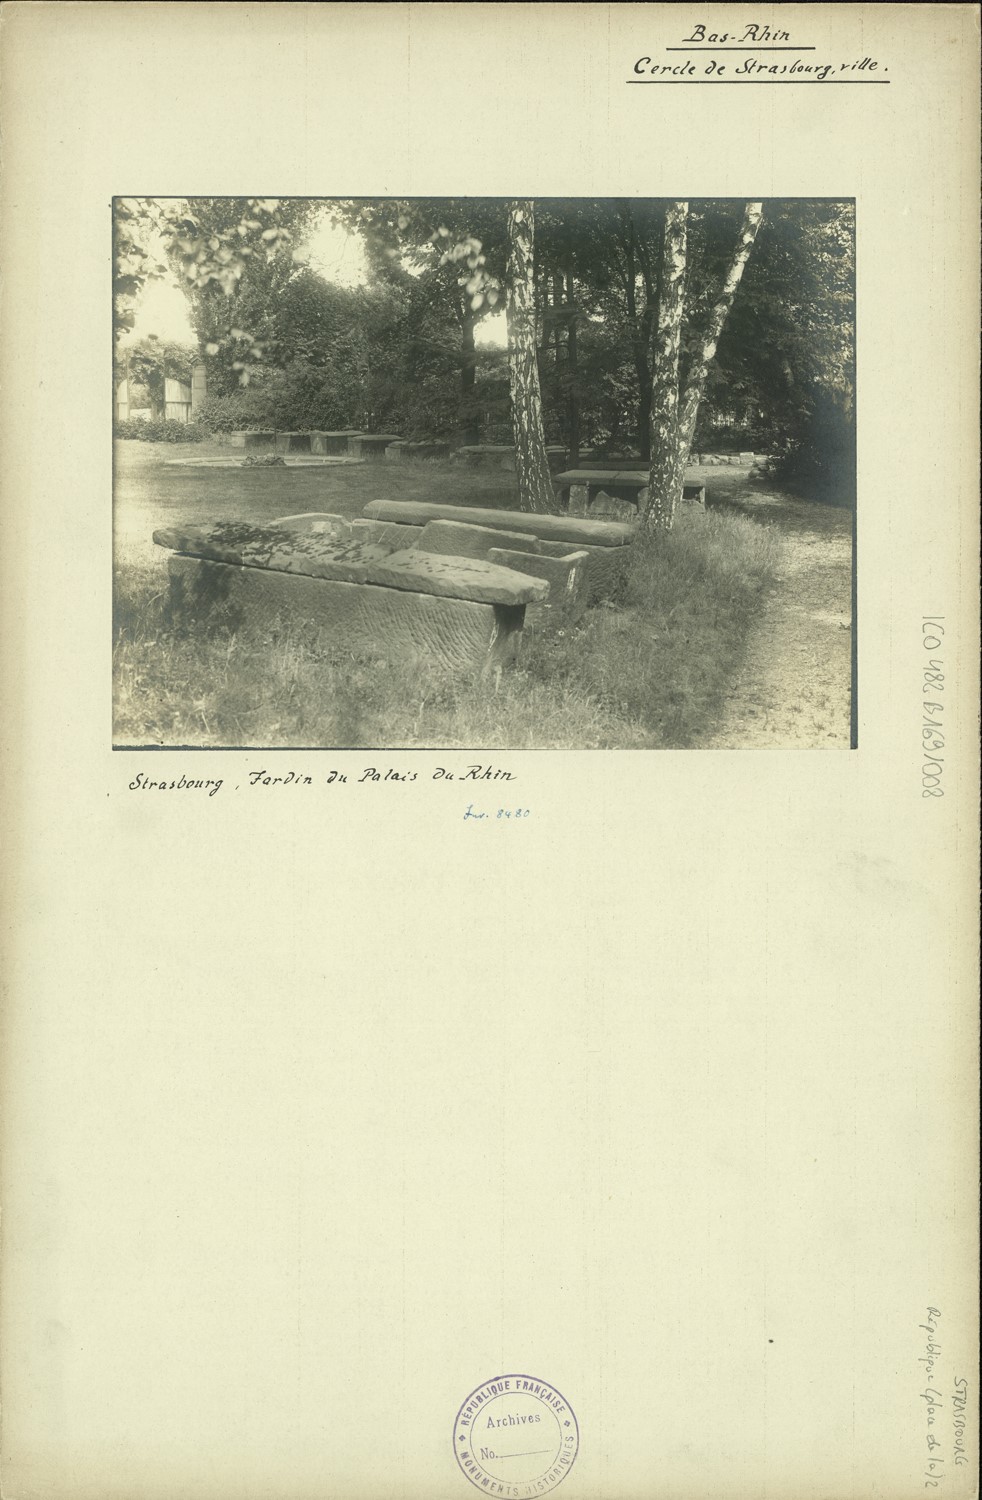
column 157, row 484
column 646, row 672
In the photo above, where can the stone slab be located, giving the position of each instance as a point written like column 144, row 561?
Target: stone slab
column 582, row 533
column 567, row 577
column 293, row 442
column 279, row 549
column 330, row 442
column 397, row 538
column 458, row 539
column 457, row 578
column 557, row 549
column 606, row 571
column 316, row 523
column 374, row 443
column 629, row 477
column 356, row 619
column 604, row 566
column 581, row 487
column 485, row 450
column 291, row 461
column 426, row 450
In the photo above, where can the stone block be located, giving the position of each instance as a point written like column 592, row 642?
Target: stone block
column 579, row 488
column 357, row 619
column 397, row 538
column 278, row 549
column 605, row 572
column 316, row 523
column 370, row 445
column 457, row 578
column 583, row 533
column 554, row 549
column 567, row 577
column 331, row 442
column 427, row 450
column 458, row 539
column 243, row 439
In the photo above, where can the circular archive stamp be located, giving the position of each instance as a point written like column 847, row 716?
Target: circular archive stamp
column 516, row 1437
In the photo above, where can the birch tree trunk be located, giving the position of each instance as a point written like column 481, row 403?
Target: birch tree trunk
column 664, row 475
column 673, row 413
column 696, row 382
column 535, row 491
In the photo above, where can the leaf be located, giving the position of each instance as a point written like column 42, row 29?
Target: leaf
column 477, row 302
column 212, row 348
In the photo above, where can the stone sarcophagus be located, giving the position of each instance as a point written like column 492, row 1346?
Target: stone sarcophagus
column 368, row 585
column 604, row 545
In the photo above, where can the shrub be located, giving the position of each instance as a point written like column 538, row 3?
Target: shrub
column 159, row 430
column 223, row 414
column 819, row 458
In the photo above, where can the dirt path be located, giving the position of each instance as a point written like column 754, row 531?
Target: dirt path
column 793, row 690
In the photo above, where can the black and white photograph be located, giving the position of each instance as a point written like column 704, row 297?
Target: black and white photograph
column 550, row 473
column 414, row 416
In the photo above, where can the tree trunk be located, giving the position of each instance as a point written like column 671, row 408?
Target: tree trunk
column 557, row 321
column 571, row 374
column 696, row 383
column 468, row 377
column 673, row 414
column 535, row 491
column 665, row 474
column 645, row 386
column 640, row 336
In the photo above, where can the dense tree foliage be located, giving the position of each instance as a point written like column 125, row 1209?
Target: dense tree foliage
column 765, row 362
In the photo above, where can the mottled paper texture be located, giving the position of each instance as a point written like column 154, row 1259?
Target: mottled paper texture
column 322, row 1108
